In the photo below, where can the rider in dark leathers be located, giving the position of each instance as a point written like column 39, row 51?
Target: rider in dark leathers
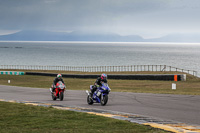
column 102, row 78
column 56, row 80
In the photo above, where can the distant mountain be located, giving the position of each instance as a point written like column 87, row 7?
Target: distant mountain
column 63, row 36
column 33, row 35
column 37, row 35
column 193, row 38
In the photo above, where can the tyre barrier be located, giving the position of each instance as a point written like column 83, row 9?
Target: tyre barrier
column 165, row 77
column 11, row 73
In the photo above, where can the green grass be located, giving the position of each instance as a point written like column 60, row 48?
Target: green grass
column 17, row 117
column 189, row 87
column 25, row 118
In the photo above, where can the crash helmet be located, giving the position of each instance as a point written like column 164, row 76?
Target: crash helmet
column 103, row 76
column 59, row 76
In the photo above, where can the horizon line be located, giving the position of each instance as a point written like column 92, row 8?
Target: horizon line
column 197, row 43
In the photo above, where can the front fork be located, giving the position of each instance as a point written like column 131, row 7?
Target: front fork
column 57, row 92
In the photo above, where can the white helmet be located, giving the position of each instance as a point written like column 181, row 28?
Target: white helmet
column 59, row 76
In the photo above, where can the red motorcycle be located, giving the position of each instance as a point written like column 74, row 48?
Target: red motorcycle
column 59, row 91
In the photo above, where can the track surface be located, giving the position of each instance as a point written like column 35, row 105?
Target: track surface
column 181, row 108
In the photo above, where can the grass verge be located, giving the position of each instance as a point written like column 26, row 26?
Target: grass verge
column 17, row 117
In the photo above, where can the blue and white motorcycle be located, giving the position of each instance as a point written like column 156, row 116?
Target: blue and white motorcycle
column 100, row 95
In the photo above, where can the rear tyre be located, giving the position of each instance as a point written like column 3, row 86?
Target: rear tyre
column 89, row 100
column 53, row 96
column 61, row 96
column 104, row 99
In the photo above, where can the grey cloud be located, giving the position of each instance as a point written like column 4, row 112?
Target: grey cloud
column 100, row 15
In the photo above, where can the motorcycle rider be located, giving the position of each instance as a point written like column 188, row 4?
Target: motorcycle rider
column 102, row 78
column 56, row 80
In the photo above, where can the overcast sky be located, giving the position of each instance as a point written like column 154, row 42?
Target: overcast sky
column 147, row 18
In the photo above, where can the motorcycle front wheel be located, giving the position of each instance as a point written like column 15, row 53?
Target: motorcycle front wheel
column 61, row 96
column 104, row 99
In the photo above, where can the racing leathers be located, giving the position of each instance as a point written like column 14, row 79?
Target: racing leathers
column 98, row 83
column 56, row 80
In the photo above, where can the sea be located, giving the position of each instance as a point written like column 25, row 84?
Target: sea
column 180, row 55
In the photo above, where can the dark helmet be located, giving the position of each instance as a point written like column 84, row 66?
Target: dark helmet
column 103, row 76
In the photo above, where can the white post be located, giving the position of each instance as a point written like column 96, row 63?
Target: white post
column 173, row 86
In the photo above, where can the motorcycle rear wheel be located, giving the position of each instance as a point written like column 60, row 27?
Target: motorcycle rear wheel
column 104, row 100
column 89, row 100
column 53, row 96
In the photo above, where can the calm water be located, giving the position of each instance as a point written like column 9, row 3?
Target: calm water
column 184, row 56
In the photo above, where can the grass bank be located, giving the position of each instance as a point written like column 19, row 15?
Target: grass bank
column 189, row 87
column 16, row 117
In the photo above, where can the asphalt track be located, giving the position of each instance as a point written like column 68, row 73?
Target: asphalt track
column 181, row 108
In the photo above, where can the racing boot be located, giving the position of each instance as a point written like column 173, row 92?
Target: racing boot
column 51, row 90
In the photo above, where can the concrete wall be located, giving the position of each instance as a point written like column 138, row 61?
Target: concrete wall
column 165, row 77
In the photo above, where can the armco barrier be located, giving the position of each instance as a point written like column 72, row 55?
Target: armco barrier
column 11, row 73
column 127, row 68
column 165, row 77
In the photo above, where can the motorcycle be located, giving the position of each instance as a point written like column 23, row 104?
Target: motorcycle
column 99, row 96
column 59, row 91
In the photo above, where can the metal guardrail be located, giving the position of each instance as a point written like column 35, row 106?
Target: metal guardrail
column 128, row 68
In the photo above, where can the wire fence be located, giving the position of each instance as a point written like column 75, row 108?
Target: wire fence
column 128, row 68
